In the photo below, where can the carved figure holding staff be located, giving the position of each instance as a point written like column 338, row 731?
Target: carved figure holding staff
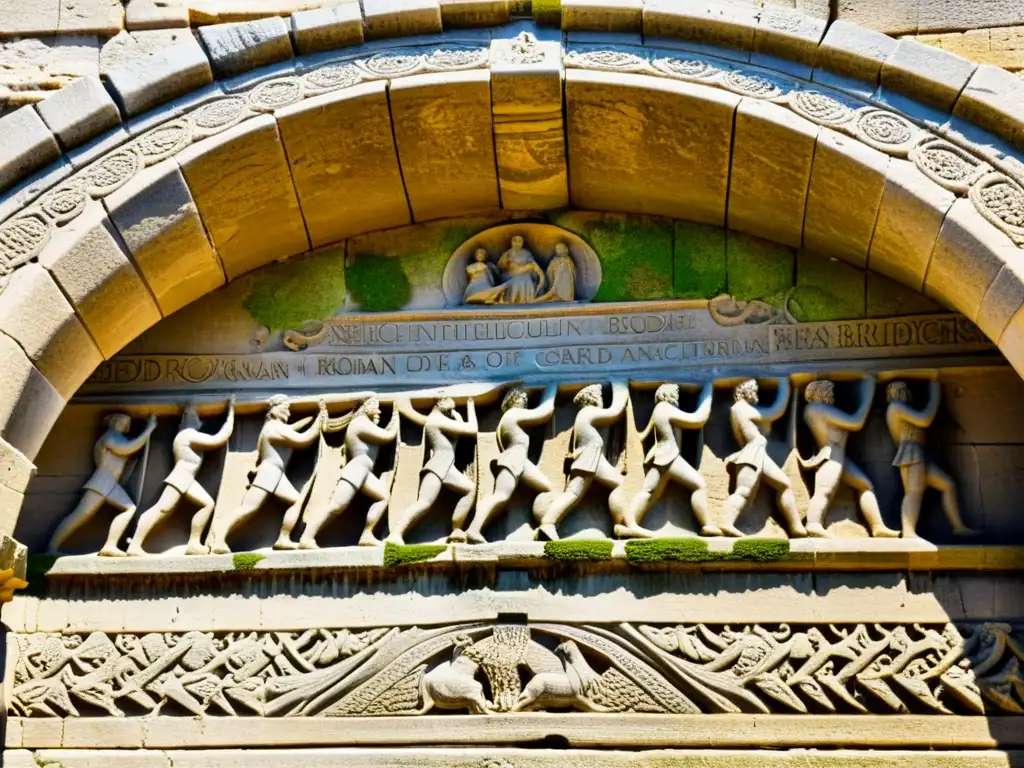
column 513, row 465
column 908, row 427
column 753, row 464
column 363, row 438
column 111, row 454
column 275, row 444
column 181, row 482
column 831, row 428
column 666, row 464
column 588, row 459
column 442, row 428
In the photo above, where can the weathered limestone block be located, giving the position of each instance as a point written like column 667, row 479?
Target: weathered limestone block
column 474, row 13
column 938, row 15
column 27, row 145
column 156, row 14
column 529, row 134
column 927, row 74
column 241, row 184
column 881, row 15
column 994, row 99
column 89, row 265
column 32, row 17
column 324, row 29
column 401, row 18
column 771, row 164
column 98, row 17
column 79, row 111
column 35, row 313
column 1003, row 299
column 31, row 68
column 968, row 255
column 126, row 47
column 641, row 144
column 29, row 405
column 160, row 76
column 16, row 470
column 603, row 15
column 444, row 134
column 707, row 21
column 344, row 164
column 243, row 46
column 789, row 34
column 847, row 180
column 160, row 225
column 1011, row 343
column 852, row 50
column 909, row 218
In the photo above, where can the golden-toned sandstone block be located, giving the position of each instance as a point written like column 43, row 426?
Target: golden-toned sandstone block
column 641, row 144
column 474, row 13
column 771, row 164
column 703, row 21
column 529, row 133
column 16, row 471
column 343, row 160
column 35, row 313
column 968, row 255
column 242, row 186
column 401, row 18
column 1011, row 343
column 1003, row 298
column 994, row 99
column 93, row 271
column 160, row 224
column 602, row 15
column 927, row 74
column 444, row 134
column 847, row 179
column 852, row 50
column 909, row 218
column 789, row 34
column 29, row 405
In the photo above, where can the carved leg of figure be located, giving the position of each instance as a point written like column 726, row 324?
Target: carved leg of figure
column 222, row 528
column 504, row 486
column 315, row 519
column 462, row 485
column 430, row 488
column 291, row 519
column 198, row 495
column 784, row 497
column 854, row 477
column 118, row 499
column 748, row 480
column 826, row 484
column 89, row 505
column 688, row 477
column 376, row 489
column 561, row 506
column 945, row 485
column 654, row 486
column 164, row 506
column 914, row 478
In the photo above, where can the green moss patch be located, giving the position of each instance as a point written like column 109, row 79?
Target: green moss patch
column 827, row 289
column 760, row 550
column 699, row 261
column 548, row 12
column 887, row 298
column 406, row 554
column 379, row 284
column 579, row 550
column 758, row 269
column 305, row 288
column 246, row 561
column 658, row 550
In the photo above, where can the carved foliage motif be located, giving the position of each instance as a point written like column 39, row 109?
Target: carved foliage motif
column 971, row 669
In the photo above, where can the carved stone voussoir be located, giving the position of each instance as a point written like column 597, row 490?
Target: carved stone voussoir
column 687, row 669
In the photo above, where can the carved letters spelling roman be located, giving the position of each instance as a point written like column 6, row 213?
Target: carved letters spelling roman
column 444, row 466
column 971, row 669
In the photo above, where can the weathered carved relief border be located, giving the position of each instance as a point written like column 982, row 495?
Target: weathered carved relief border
column 484, row 669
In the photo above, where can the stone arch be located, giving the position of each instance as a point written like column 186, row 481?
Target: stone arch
column 249, row 170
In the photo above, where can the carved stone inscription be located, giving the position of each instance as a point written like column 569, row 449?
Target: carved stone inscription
column 376, row 351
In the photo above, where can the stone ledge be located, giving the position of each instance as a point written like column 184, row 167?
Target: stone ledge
column 578, row 730
column 803, row 555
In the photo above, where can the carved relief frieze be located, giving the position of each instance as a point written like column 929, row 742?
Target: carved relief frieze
column 483, row 669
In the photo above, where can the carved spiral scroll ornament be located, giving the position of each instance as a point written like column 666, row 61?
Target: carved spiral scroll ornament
column 275, row 94
column 948, row 165
column 821, row 108
column 1001, row 200
column 886, row 131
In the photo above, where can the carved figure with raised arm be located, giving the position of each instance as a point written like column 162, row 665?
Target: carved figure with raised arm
column 753, row 464
column 363, row 438
column 908, row 427
column 188, row 447
column 665, row 463
column 111, row 454
column 831, row 428
column 513, row 464
column 274, row 446
column 588, row 460
column 442, row 428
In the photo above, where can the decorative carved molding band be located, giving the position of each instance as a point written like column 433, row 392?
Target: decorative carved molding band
column 971, row 669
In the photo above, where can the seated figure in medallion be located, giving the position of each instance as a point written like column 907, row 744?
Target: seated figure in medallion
column 524, row 279
column 481, row 276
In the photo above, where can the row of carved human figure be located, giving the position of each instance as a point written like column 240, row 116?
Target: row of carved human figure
column 513, row 468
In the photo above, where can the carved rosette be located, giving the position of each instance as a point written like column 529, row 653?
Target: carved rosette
column 1000, row 199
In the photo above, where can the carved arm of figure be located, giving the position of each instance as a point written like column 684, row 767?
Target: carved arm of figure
column 855, row 421
column 922, row 418
column 699, row 417
column 126, row 447
column 545, row 408
column 404, row 407
column 464, row 429
column 296, row 439
column 220, row 439
column 382, row 435
column 774, row 413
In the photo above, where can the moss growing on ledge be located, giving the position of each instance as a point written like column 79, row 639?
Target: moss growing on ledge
column 760, row 550
column 308, row 287
column 679, row 550
column 579, row 550
column 406, row 554
column 246, row 561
